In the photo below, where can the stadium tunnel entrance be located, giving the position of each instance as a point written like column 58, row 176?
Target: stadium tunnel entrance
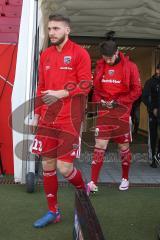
column 138, row 37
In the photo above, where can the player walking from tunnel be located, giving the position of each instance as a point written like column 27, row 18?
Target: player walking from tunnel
column 116, row 86
column 64, row 82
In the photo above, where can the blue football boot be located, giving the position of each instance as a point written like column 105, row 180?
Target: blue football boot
column 47, row 219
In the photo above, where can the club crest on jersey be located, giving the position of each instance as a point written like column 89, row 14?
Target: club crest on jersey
column 67, row 59
column 110, row 72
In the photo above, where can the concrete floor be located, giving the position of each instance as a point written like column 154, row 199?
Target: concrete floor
column 140, row 171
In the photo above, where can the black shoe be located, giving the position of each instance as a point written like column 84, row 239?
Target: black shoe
column 153, row 165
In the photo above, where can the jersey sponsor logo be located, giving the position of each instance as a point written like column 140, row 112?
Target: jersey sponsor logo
column 67, row 59
column 111, row 72
column 66, row 68
column 111, row 81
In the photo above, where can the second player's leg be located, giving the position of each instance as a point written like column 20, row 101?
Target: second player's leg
column 97, row 162
column 125, row 156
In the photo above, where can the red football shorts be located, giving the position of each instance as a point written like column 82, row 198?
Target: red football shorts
column 113, row 124
column 58, row 140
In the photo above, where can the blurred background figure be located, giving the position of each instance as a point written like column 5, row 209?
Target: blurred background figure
column 151, row 98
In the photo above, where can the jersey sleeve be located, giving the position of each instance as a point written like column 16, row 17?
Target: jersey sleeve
column 83, row 73
column 97, row 91
column 135, row 89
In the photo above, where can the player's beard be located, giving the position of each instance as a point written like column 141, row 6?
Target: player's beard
column 59, row 41
column 110, row 64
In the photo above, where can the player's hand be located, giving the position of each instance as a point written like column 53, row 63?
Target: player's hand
column 51, row 96
column 34, row 124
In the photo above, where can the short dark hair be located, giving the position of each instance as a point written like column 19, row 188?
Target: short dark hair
column 59, row 18
column 109, row 47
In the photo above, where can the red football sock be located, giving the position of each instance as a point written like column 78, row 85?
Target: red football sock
column 75, row 177
column 51, row 187
column 97, row 162
column 126, row 160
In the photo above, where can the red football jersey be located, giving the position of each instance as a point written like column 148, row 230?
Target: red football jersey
column 64, row 70
column 112, row 82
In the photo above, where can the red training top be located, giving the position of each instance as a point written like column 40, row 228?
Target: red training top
column 120, row 82
column 69, row 69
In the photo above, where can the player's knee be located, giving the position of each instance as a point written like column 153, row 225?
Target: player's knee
column 98, row 156
column 48, row 164
column 63, row 169
column 101, row 144
column 124, row 146
column 125, row 155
